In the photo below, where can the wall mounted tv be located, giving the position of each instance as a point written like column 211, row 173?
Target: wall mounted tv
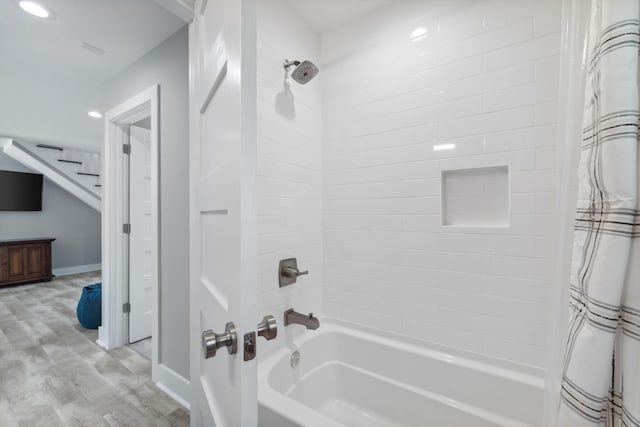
column 20, row 191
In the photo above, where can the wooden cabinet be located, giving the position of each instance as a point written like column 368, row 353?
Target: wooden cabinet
column 24, row 261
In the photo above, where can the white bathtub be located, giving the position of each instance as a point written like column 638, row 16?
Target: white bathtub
column 351, row 376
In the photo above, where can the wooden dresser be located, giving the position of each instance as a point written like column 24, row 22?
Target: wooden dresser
column 24, row 261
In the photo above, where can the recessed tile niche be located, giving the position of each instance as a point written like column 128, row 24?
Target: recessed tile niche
column 476, row 197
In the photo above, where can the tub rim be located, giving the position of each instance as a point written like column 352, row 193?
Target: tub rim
column 300, row 414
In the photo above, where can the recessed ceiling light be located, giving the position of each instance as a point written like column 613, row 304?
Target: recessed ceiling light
column 443, row 147
column 95, row 114
column 34, row 9
column 419, row 34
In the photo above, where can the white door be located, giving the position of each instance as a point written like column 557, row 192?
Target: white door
column 141, row 237
column 222, row 209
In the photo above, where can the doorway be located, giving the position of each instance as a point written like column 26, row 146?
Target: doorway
column 130, row 224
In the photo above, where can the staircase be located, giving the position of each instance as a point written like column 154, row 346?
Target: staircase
column 77, row 171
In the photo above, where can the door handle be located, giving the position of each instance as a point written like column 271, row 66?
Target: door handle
column 268, row 327
column 211, row 341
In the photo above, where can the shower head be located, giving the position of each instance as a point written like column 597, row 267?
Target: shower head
column 304, row 71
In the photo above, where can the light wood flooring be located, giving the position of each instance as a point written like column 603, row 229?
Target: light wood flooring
column 52, row 373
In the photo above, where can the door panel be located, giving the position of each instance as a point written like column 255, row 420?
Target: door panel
column 33, row 261
column 4, row 264
column 223, row 240
column 16, row 257
column 141, row 237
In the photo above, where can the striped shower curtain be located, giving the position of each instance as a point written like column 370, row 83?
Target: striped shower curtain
column 601, row 375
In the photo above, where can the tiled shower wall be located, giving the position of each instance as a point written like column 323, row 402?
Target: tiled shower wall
column 289, row 182
column 485, row 78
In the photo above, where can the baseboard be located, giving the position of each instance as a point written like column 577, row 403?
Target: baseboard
column 65, row 271
column 100, row 343
column 174, row 384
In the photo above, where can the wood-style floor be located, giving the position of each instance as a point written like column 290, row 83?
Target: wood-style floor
column 52, row 373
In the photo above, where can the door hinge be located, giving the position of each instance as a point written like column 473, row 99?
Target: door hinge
column 126, row 148
column 126, row 307
column 126, row 228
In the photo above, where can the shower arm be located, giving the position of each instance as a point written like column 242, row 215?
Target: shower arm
column 288, row 63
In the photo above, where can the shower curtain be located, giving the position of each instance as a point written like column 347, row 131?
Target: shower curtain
column 601, row 367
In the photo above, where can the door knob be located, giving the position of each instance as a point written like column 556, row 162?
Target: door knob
column 268, row 328
column 211, row 341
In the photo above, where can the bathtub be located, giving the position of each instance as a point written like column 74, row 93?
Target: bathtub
column 357, row 377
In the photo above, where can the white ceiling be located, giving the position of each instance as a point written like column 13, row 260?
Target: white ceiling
column 325, row 15
column 51, row 49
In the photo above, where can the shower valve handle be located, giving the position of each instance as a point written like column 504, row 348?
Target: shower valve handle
column 293, row 272
column 288, row 272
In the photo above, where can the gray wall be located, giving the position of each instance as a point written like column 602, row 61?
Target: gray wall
column 75, row 225
column 168, row 65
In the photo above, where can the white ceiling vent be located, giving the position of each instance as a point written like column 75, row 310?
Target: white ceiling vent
column 93, row 49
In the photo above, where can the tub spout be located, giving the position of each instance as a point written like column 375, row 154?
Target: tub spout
column 306, row 320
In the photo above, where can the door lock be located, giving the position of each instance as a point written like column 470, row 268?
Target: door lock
column 249, row 346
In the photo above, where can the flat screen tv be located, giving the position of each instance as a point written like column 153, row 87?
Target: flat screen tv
column 20, row 191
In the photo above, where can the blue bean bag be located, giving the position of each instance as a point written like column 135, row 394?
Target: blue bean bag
column 89, row 309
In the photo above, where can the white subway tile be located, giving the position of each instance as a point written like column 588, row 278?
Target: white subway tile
column 460, row 89
column 509, row 98
column 518, row 139
column 519, row 331
column 458, row 108
column 545, row 136
column 545, row 46
column 507, row 77
column 546, row 23
column 385, row 173
column 546, row 113
column 442, row 334
column 512, row 287
column 523, row 203
column 486, row 82
column 513, row 34
column 513, row 350
column 460, row 50
column 521, row 267
column 464, row 27
column 546, row 158
column 528, row 181
column 515, row 118
column 520, row 246
column 427, row 223
column 503, row 13
column 547, row 68
column 534, row 225
column 371, row 319
column 507, row 57
column 544, row 247
column 546, row 202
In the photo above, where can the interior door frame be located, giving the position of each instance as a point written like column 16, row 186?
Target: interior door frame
column 114, row 331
